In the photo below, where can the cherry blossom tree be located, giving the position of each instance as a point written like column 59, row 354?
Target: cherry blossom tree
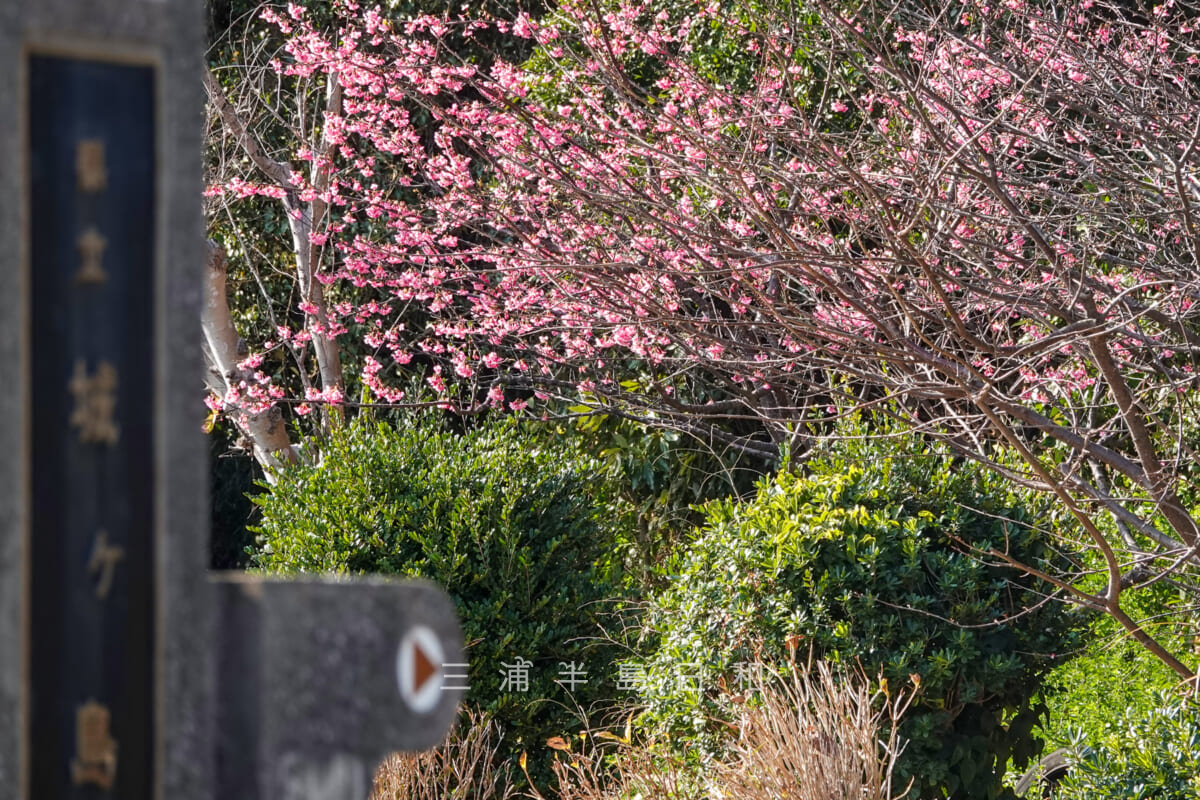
column 979, row 218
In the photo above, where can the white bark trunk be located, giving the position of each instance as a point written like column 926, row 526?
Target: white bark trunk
column 304, row 219
column 264, row 430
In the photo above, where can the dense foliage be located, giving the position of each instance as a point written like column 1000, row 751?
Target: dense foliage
column 1114, row 678
column 983, row 210
column 510, row 527
column 1153, row 754
column 736, row 219
column 231, row 476
column 661, row 477
column 866, row 565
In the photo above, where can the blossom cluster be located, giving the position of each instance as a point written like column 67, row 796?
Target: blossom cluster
column 999, row 203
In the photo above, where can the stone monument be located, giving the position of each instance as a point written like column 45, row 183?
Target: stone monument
column 126, row 670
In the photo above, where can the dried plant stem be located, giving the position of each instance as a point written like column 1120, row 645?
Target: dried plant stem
column 464, row 767
column 813, row 733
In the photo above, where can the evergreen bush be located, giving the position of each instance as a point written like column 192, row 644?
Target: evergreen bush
column 1155, row 754
column 868, row 567
column 1116, row 677
column 510, row 527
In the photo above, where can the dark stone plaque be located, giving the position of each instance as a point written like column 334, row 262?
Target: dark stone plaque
column 93, row 594
column 320, row 679
column 120, row 681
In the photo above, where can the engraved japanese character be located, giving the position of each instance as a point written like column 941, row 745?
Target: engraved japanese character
column 91, row 257
column 571, row 675
column 91, row 172
column 516, row 676
column 96, row 750
column 95, row 403
column 104, row 562
column 630, row 677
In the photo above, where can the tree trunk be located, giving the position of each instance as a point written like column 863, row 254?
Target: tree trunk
column 265, row 431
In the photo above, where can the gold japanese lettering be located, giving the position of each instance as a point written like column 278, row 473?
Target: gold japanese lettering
column 95, row 759
column 95, row 403
column 90, row 168
column 104, row 562
column 91, row 257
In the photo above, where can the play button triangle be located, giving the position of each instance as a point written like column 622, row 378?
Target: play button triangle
column 423, row 668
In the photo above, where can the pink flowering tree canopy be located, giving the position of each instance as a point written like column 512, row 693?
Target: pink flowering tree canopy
column 979, row 219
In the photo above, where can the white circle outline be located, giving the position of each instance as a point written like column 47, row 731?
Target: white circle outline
column 426, row 698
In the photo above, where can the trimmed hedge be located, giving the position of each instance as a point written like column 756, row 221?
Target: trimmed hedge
column 510, row 527
column 864, row 566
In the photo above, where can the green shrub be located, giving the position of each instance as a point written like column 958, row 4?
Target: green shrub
column 512, row 529
column 1152, row 755
column 1116, row 678
column 662, row 477
column 865, row 567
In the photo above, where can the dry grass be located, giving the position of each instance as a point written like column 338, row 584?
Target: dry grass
column 627, row 772
column 464, row 767
column 815, row 736
column 810, row 735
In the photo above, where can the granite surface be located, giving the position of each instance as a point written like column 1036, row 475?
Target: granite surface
column 309, row 695
column 12, row 472
column 169, row 33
